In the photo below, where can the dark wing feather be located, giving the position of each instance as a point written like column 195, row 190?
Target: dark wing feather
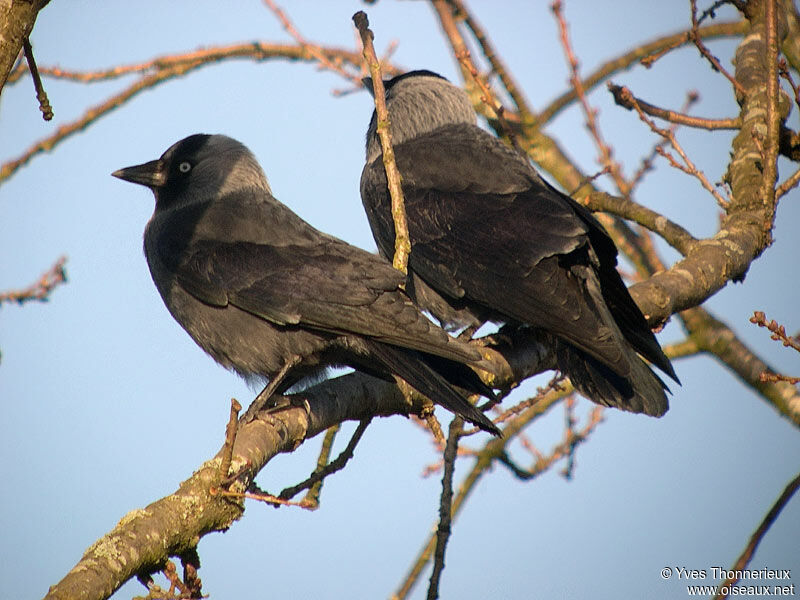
column 512, row 265
column 294, row 275
column 427, row 379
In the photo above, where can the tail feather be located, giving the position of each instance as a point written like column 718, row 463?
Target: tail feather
column 423, row 374
column 641, row 392
column 631, row 321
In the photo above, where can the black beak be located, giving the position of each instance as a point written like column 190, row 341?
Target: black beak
column 367, row 83
column 150, row 174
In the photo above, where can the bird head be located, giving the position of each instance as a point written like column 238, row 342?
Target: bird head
column 197, row 168
column 418, row 102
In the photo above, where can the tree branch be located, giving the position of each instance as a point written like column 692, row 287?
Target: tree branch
column 402, row 240
column 443, row 529
column 632, row 57
column 758, row 534
column 492, row 451
column 144, row 539
column 166, row 68
column 16, row 24
column 629, row 101
column 746, row 229
column 712, row 335
column 42, row 289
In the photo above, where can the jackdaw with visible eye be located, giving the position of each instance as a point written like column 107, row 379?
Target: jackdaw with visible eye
column 491, row 240
column 267, row 295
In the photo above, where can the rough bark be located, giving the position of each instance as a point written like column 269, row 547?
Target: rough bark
column 17, row 18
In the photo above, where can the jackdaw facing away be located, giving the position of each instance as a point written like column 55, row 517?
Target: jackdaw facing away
column 267, row 295
column 491, row 240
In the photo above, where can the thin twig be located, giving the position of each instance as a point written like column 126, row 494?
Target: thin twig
column 783, row 71
column 314, row 482
column 445, row 505
column 402, row 240
column 210, row 54
column 556, row 384
column 778, row 331
column 624, row 100
column 267, row 498
column 230, row 438
column 323, row 470
column 646, row 54
column 485, row 460
column 313, row 49
column 776, row 377
column 589, row 113
column 166, row 68
column 41, row 95
column 688, row 166
column 758, row 535
column 694, row 36
column 711, row 10
column 563, row 449
column 488, row 98
column 647, row 162
column 498, row 66
column 789, row 184
column 40, row 290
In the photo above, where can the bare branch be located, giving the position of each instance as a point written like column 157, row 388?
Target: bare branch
column 314, row 50
column 485, row 460
column 402, row 240
column 788, row 185
column 632, row 57
column 694, row 35
column 675, row 235
column 445, row 505
column 778, row 331
column 623, row 97
column 497, row 64
column 687, row 166
column 166, row 68
column 323, row 470
column 712, row 335
column 41, row 95
column 758, row 535
column 589, row 113
column 42, row 289
column 16, row 23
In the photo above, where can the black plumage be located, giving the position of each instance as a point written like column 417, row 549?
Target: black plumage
column 491, row 240
column 267, row 295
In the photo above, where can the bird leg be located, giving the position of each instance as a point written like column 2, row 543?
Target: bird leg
column 270, row 388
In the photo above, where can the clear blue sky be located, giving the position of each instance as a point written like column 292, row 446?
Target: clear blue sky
column 107, row 404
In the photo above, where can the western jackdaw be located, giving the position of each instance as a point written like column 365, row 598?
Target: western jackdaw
column 267, row 295
column 491, row 240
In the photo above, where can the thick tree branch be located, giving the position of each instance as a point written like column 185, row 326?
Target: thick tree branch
column 746, row 229
column 144, row 539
